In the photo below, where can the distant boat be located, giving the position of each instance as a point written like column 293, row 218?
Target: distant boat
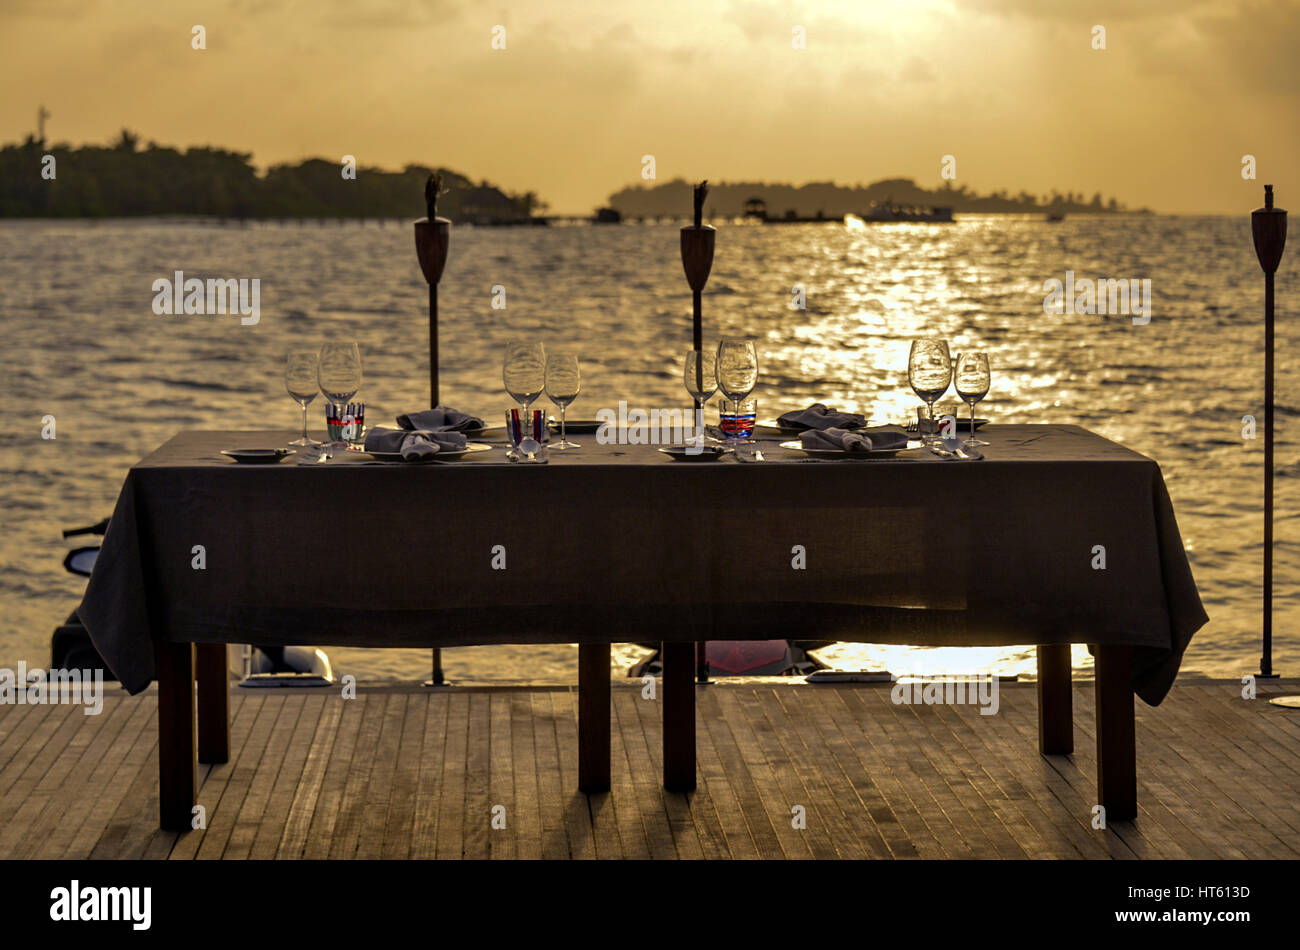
column 756, row 210
column 887, row 212
column 607, row 216
column 1055, row 216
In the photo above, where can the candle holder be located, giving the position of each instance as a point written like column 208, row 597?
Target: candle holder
column 698, row 241
column 432, row 238
column 1268, row 228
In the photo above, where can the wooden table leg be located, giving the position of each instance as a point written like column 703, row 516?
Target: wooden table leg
column 593, row 717
column 1116, row 738
column 212, row 671
column 178, row 776
column 1055, row 700
column 679, row 716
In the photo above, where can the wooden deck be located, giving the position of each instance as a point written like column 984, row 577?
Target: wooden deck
column 413, row 773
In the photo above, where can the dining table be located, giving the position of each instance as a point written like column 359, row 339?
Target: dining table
column 1057, row 536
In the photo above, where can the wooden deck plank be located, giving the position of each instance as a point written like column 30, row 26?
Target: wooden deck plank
column 78, row 762
column 651, row 799
column 329, row 801
column 817, row 821
column 275, row 815
column 523, row 756
column 478, row 790
column 306, row 797
column 428, row 790
column 851, row 825
column 380, row 786
column 579, row 822
column 352, row 806
column 413, row 773
column 277, row 756
column 693, row 816
column 746, row 809
column 451, row 804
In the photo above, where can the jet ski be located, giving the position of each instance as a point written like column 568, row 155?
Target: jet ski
column 746, row 658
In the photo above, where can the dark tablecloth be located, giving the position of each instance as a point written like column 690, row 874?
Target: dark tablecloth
column 621, row 543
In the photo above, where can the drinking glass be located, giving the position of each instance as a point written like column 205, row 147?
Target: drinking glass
column 929, row 371
column 563, row 383
column 736, row 420
column 972, row 385
column 339, row 375
column 300, row 382
column 737, row 368
column 524, row 371
column 700, row 374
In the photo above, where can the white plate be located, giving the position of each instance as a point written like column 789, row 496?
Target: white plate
column 445, row 454
column 842, row 453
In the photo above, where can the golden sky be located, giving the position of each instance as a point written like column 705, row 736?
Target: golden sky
column 1012, row 88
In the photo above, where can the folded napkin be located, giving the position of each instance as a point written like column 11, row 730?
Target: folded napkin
column 878, row 438
column 413, row 444
column 818, row 416
column 439, row 419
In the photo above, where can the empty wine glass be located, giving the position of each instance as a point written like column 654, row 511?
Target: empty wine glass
column 524, row 372
column 339, row 374
column 700, row 375
column 563, row 383
column 972, row 385
column 301, row 383
column 737, row 370
column 929, row 371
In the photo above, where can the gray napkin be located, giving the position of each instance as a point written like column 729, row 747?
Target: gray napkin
column 439, row 419
column 413, row 444
column 818, row 416
column 879, row 438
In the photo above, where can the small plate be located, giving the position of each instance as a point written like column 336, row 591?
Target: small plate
column 576, row 426
column 451, row 454
column 258, row 456
column 842, row 453
column 707, row 453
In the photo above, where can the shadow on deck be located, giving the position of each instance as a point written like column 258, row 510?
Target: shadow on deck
column 411, row 773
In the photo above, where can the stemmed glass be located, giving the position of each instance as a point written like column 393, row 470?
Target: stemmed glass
column 524, row 373
column 563, row 383
column 339, row 374
column 700, row 374
column 300, row 382
column 929, row 371
column 737, row 370
column 972, row 385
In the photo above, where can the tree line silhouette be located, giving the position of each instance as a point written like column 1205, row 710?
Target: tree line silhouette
column 831, row 200
column 124, row 179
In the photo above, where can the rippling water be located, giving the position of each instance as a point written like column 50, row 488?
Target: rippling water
column 81, row 343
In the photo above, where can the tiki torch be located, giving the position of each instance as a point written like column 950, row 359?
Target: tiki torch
column 432, row 235
column 1268, row 226
column 697, row 261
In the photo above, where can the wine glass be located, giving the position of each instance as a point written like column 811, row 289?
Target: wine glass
column 339, row 374
column 524, row 372
column 929, row 371
column 737, row 369
column 300, row 382
column 563, row 383
column 700, row 374
column 972, row 385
